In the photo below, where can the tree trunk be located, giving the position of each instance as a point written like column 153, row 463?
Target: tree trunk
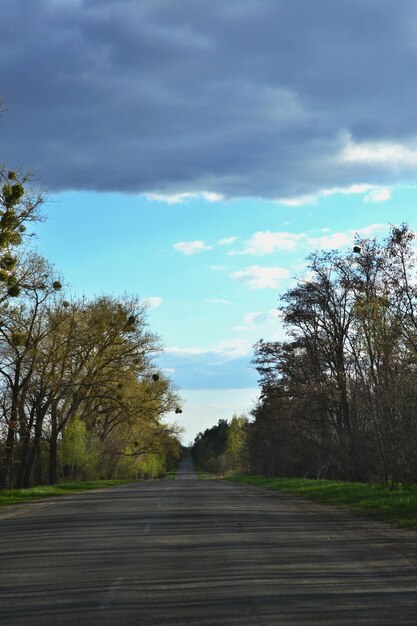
column 33, row 453
column 53, row 449
column 7, row 460
column 24, row 458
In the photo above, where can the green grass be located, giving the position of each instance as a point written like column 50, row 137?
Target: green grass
column 204, row 475
column 16, row 496
column 170, row 475
column 398, row 506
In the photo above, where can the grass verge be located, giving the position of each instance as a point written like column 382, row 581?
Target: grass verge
column 204, row 475
column 16, row 496
column 170, row 475
column 398, row 506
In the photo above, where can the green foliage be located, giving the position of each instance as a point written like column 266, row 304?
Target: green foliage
column 236, row 441
column 18, row 339
column 147, row 466
column 397, row 506
column 222, row 448
column 16, row 496
column 79, row 460
column 13, row 291
column 8, row 261
column 80, row 389
column 11, row 196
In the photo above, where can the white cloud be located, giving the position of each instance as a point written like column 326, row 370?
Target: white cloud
column 370, row 230
column 274, row 315
column 251, row 317
column 258, row 277
column 229, row 349
column 191, row 247
column 218, row 301
column 186, row 351
column 228, row 241
column 380, row 152
column 267, row 325
column 347, row 191
column 330, row 242
column 249, row 322
column 180, row 198
column 234, row 348
column 265, row 242
column 154, row 301
column 378, row 195
column 302, row 200
column 343, row 239
column 210, row 196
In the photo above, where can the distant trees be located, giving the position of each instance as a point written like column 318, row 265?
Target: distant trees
column 338, row 397
column 221, row 448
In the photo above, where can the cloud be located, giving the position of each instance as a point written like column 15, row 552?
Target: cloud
column 228, row 241
column 154, row 302
column 355, row 189
column 251, row 317
column 267, row 325
column 265, row 242
column 191, row 247
column 218, row 301
column 180, row 198
column 250, row 320
column 219, row 99
column 331, row 242
column 258, row 277
column 378, row 195
column 380, row 152
column 228, row 349
column 228, row 364
column 334, row 241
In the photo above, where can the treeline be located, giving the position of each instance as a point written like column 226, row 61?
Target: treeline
column 222, row 448
column 79, row 394
column 339, row 394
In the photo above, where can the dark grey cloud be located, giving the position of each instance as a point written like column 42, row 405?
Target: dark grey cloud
column 244, row 97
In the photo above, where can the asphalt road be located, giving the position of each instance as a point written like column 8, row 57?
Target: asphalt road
column 190, row 551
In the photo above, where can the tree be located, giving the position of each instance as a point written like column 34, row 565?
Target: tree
column 22, row 330
column 338, row 396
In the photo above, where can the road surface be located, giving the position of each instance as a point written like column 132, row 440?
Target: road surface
column 189, row 552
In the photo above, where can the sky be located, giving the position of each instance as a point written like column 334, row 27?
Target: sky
column 194, row 153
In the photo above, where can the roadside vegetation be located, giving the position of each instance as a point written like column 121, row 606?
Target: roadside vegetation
column 396, row 506
column 17, row 496
column 338, row 395
column 338, row 403
column 170, row 474
column 81, row 396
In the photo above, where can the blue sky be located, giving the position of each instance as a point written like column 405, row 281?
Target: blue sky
column 195, row 152
column 211, row 270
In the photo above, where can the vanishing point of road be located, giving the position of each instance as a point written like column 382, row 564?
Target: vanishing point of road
column 189, row 552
